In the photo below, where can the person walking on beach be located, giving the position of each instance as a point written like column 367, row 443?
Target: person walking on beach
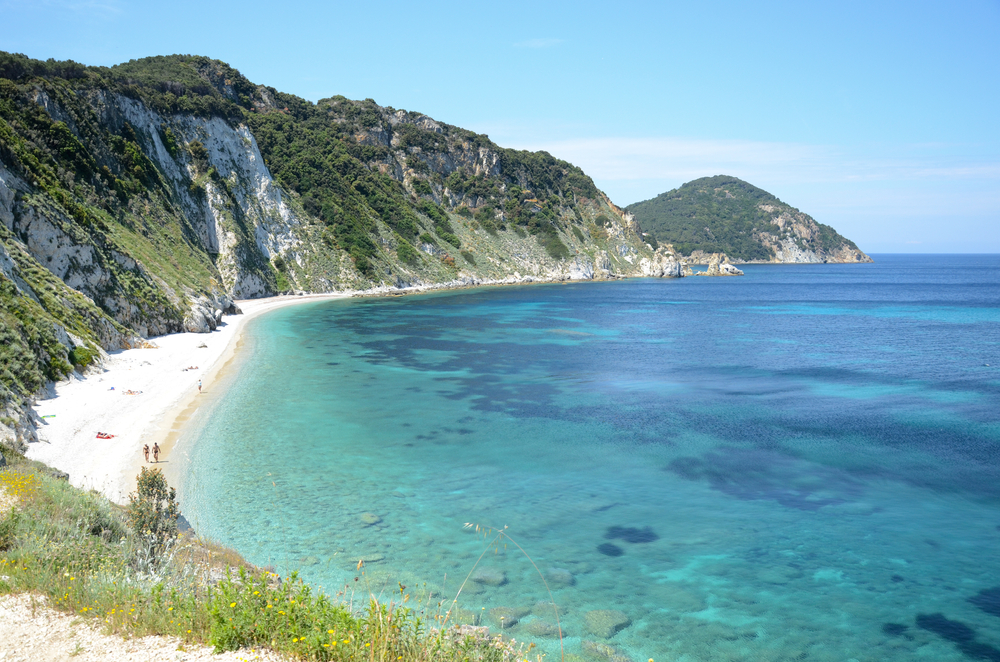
column 145, row 451
column 156, row 452
column 199, row 386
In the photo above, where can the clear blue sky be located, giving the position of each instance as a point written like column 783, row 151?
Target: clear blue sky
column 881, row 119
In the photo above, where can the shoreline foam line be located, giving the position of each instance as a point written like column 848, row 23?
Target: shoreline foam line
column 164, row 393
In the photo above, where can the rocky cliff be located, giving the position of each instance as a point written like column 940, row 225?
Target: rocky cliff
column 727, row 215
column 143, row 199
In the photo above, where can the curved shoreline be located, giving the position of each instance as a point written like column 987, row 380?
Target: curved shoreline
column 167, row 395
column 165, row 392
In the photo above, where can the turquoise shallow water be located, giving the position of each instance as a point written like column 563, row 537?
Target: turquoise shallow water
column 800, row 464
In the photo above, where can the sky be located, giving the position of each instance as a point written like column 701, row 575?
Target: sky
column 881, row 119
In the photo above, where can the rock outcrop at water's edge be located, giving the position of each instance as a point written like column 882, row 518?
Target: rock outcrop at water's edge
column 718, row 265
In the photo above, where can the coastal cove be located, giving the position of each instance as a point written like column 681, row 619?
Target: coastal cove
column 137, row 396
column 799, row 461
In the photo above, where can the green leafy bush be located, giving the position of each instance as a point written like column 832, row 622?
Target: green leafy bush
column 406, row 252
column 553, row 245
column 82, row 356
column 421, row 187
column 152, row 511
column 450, row 238
column 169, row 141
column 8, row 529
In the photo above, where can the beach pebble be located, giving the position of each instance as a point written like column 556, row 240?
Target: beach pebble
column 605, row 623
column 368, row 519
column 490, row 577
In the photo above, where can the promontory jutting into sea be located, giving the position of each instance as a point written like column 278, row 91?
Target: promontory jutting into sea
column 698, row 453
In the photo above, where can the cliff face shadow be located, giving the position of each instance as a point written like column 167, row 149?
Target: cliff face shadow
column 753, row 474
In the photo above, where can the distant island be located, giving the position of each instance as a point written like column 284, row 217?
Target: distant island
column 723, row 214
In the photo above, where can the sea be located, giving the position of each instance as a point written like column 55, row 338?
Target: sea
column 802, row 463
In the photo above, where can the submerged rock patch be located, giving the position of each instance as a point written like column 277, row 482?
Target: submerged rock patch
column 988, row 600
column 606, row 623
column 490, row 577
column 955, row 631
column 894, row 629
column 631, row 534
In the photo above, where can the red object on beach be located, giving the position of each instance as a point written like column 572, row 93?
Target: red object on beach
column 105, row 435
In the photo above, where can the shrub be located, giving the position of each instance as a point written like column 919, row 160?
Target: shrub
column 8, row 530
column 553, row 245
column 169, row 140
column 469, row 257
column 416, row 164
column 421, row 187
column 82, row 355
column 281, row 281
column 152, row 511
column 450, row 238
column 406, row 252
column 199, row 155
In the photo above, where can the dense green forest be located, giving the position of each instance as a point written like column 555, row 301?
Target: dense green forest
column 723, row 214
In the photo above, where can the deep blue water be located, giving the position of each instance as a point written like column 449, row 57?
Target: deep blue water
column 802, row 463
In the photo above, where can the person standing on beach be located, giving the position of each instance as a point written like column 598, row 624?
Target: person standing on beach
column 156, row 452
column 145, row 451
column 199, row 386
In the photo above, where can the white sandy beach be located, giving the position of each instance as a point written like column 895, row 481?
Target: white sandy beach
column 165, row 387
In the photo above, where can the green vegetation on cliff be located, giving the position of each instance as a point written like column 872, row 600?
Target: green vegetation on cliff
column 136, row 200
column 723, row 214
column 312, row 149
column 344, row 158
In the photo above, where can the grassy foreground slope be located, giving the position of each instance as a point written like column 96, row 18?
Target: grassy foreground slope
column 91, row 558
column 723, row 214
